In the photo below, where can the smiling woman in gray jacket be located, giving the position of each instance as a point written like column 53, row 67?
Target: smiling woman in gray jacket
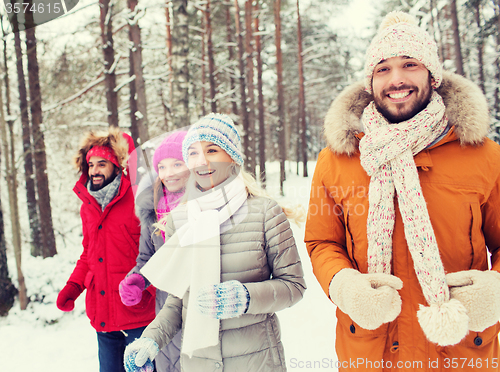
column 239, row 262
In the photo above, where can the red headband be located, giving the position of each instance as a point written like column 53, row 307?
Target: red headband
column 103, row 152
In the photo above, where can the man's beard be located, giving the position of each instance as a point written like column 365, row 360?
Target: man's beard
column 105, row 183
column 416, row 106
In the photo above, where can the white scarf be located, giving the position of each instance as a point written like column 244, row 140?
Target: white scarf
column 190, row 258
column 387, row 152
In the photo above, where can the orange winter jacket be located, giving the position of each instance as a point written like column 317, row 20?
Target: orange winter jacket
column 460, row 179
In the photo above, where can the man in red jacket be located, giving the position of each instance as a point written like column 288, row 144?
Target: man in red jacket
column 110, row 246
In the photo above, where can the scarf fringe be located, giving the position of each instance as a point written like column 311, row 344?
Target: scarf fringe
column 444, row 324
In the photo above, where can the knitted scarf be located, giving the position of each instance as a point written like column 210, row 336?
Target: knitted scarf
column 387, row 152
column 107, row 193
column 190, row 259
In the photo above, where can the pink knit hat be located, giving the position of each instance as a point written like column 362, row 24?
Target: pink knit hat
column 399, row 35
column 171, row 147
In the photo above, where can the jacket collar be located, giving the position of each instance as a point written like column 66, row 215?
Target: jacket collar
column 81, row 191
column 466, row 108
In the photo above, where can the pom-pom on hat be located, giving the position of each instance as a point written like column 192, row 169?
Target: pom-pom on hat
column 170, row 147
column 399, row 35
column 218, row 129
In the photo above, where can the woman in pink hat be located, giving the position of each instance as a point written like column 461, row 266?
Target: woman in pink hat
column 152, row 203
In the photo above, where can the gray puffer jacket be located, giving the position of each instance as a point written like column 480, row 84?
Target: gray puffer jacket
column 168, row 360
column 260, row 252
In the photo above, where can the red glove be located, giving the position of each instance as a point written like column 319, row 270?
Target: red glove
column 68, row 295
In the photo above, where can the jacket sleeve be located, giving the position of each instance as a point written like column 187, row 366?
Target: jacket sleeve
column 146, row 248
column 325, row 234
column 145, row 210
column 287, row 285
column 491, row 224
column 80, row 272
column 167, row 322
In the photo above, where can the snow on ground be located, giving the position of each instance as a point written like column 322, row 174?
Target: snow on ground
column 44, row 339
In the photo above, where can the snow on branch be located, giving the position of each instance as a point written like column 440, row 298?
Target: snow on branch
column 76, row 95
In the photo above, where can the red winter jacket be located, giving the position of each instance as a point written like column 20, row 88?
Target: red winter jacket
column 110, row 247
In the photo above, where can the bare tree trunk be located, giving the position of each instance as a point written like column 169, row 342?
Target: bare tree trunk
column 497, row 62
column 480, row 44
column 456, row 37
column 231, row 58
column 11, row 173
column 42, row 180
column 136, row 53
column 302, row 98
column 109, row 61
column 36, row 234
column 243, row 95
column 169, row 56
column 281, row 99
column 165, row 109
column 203, row 72
column 180, row 51
column 441, row 33
column 134, row 128
column 251, row 161
column 210, row 55
column 436, row 26
column 7, row 290
column 262, row 127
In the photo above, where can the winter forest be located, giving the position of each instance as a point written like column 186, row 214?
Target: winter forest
column 150, row 66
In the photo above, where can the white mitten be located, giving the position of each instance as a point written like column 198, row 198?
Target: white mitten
column 479, row 292
column 369, row 299
column 139, row 355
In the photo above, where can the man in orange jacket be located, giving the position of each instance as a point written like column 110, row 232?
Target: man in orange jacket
column 110, row 246
column 404, row 213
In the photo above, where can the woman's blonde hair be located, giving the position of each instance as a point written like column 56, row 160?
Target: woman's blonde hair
column 295, row 213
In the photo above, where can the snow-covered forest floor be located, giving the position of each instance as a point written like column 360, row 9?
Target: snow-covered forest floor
column 42, row 338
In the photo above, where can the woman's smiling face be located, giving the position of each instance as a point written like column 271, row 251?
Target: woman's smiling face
column 210, row 164
column 173, row 173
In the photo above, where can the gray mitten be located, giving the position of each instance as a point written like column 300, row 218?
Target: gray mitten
column 369, row 299
column 479, row 292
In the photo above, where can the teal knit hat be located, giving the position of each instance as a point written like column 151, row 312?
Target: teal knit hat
column 218, row 129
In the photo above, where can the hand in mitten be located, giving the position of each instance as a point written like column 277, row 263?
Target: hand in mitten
column 139, row 355
column 131, row 288
column 68, row 295
column 369, row 299
column 224, row 301
column 479, row 292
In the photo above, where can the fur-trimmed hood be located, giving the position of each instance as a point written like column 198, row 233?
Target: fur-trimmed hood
column 113, row 138
column 466, row 108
